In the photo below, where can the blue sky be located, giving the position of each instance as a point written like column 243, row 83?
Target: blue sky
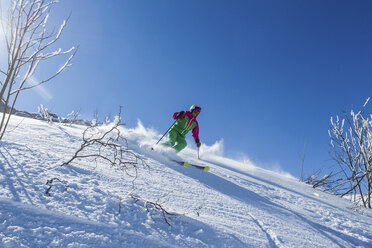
column 268, row 74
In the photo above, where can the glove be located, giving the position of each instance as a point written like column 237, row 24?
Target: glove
column 198, row 144
column 180, row 114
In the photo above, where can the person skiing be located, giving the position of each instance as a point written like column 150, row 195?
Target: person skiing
column 186, row 121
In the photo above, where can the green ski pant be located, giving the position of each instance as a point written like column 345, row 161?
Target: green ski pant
column 176, row 140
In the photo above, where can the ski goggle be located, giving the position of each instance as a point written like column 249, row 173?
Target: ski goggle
column 196, row 111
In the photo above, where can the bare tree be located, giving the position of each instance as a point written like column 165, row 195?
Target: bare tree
column 28, row 43
column 351, row 140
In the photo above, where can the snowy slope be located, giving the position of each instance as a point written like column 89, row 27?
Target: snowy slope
column 234, row 205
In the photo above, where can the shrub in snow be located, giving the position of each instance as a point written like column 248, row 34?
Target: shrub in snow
column 106, row 146
column 351, row 141
column 46, row 115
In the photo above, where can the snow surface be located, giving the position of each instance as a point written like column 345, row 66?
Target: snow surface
column 235, row 204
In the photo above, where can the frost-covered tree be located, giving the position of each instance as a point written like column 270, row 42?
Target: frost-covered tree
column 351, row 140
column 28, row 43
column 72, row 117
column 44, row 113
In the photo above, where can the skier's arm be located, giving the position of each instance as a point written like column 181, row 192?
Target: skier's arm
column 195, row 135
column 179, row 115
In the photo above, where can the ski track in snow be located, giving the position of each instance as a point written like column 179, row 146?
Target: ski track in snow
column 233, row 205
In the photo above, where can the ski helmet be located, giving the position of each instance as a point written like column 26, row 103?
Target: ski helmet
column 196, row 108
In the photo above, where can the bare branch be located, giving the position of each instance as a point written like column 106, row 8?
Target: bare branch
column 149, row 205
column 50, row 183
column 28, row 43
column 352, row 150
column 107, row 148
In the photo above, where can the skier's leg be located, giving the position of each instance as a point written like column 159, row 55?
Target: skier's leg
column 172, row 139
column 181, row 144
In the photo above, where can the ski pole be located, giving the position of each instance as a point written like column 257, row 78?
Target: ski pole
column 152, row 148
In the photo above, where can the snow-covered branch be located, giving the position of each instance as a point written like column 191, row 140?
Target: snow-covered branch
column 352, row 150
column 28, row 44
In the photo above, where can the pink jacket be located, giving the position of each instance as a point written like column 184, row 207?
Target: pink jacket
column 185, row 123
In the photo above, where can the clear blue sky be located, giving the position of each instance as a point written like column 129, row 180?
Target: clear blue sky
column 268, row 74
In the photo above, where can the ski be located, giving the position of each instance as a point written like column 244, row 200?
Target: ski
column 186, row 164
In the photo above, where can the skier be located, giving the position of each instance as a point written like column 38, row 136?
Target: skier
column 186, row 121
